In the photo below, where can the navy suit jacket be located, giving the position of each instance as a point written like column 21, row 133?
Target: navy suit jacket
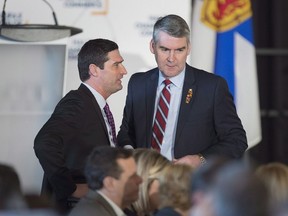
column 62, row 145
column 167, row 211
column 208, row 124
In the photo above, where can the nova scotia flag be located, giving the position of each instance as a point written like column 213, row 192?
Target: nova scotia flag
column 222, row 43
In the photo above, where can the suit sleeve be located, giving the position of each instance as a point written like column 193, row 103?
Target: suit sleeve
column 50, row 142
column 126, row 134
column 231, row 137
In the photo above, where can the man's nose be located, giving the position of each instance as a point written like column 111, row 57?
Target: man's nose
column 123, row 70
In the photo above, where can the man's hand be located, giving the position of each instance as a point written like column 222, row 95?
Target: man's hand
column 80, row 191
column 191, row 160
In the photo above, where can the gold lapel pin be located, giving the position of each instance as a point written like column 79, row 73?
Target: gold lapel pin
column 189, row 96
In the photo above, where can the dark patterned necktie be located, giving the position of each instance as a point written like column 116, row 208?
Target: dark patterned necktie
column 110, row 121
column 160, row 120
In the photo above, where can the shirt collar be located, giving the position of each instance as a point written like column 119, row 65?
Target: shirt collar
column 176, row 80
column 99, row 98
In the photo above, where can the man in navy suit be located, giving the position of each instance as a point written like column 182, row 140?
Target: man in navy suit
column 79, row 123
column 202, row 119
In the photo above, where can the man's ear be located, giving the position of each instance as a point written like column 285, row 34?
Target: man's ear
column 189, row 48
column 152, row 46
column 108, row 183
column 93, row 70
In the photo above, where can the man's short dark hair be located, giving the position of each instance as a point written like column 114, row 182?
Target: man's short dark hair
column 102, row 162
column 94, row 52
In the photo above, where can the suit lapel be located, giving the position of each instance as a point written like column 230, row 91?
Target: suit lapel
column 188, row 94
column 84, row 89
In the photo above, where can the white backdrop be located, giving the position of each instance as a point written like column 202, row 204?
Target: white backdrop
column 128, row 22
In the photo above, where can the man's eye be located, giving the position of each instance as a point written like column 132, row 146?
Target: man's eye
column 164, row 49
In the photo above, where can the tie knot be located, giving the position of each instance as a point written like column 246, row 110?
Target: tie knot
column 167, row 82
column 106, row 107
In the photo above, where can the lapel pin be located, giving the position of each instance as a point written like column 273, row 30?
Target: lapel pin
column 189, row 96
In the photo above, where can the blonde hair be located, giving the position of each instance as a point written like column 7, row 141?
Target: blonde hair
column 150, row 164
column 174, row 188
column 275, row 177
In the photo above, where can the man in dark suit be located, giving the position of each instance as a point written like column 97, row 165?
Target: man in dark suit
column 202, row 119
column 112, row 180
column 79, row 123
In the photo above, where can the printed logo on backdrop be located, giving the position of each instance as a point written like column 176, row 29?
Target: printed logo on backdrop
column 74, row 48
column 101, row 6
column 13, row 18
column 222, row 15
column 146, row 27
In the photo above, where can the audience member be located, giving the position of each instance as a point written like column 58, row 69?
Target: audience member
column 236, row 191
column 11, row 195
column 203, row 177
column 14, row 202
column 149, row 166
column 174, row 193
column 275, row 177
column 112, row 180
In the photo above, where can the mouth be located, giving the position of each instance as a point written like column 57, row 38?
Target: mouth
column 170, row 66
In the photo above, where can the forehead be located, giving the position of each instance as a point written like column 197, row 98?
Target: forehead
column 170, row 42
column 115, row 56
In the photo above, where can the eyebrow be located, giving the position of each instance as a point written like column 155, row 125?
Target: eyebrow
column 118, row 62
column 163, row 47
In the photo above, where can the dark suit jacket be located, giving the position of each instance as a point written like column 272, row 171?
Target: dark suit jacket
column 167, row 211
column 208, row 124
column 64, row 142
column 93, row 204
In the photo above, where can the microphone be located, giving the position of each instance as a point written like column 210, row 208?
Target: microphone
column 4, row 14
column 53, row 12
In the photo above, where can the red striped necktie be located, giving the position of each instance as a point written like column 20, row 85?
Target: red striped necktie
column 161, row 116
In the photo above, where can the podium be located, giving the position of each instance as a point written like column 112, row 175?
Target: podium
column 32, row 78
column 37, row 33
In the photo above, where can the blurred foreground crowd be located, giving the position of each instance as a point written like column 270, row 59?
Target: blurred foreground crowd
column 142, row 182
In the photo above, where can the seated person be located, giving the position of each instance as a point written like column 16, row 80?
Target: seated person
column 112, row 180
column 236, row 191
column 149, row 166
column 174, row 191
column 11, row 196
column 275, row 177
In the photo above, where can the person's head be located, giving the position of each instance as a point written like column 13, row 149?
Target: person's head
column 275, row 177
column 171, row 44
column 204, row 177
column 174, row 189
column 236, row 191
column 11, row 196
column 150, row 164
column 100, row 65
column 113, row 172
